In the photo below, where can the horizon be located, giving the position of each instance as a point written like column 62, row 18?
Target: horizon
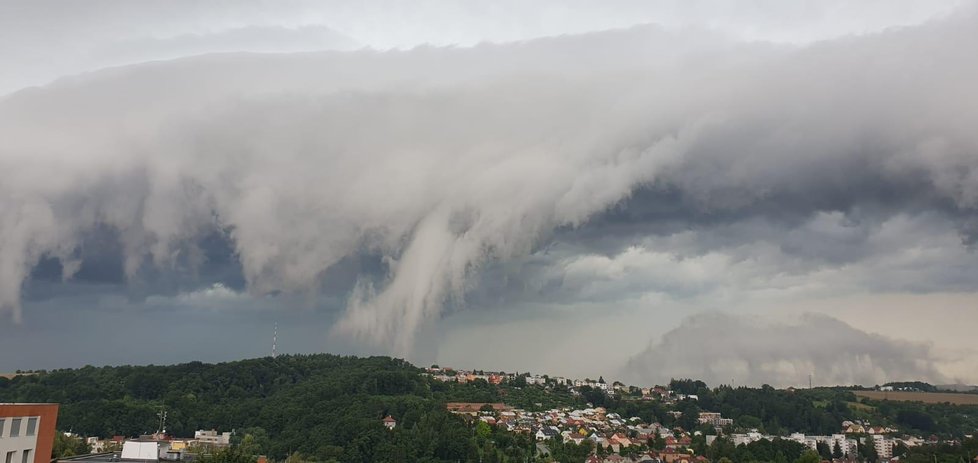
column 429, row 368
column 755, row 192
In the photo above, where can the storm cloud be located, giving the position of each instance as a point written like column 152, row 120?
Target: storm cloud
column 677, row 152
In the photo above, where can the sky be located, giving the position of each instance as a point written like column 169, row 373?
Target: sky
column 742, row 192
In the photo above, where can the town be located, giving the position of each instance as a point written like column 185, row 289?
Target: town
column 479, row 415
column 613, row 435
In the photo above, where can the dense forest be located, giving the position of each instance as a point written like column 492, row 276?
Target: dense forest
column 330, row 408
column 774, row 411
column 322, row 406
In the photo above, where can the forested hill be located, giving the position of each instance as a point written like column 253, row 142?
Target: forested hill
column 324, row 406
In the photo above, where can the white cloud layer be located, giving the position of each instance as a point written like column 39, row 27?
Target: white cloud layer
column 85, row 36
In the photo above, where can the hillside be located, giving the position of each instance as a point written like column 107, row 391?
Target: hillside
column 955, row 398
column 323, row 406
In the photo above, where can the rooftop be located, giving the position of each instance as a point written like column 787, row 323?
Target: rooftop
column 101, row 457
column 28, row 403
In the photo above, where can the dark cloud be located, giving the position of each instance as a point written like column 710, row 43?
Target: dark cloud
column 95, row 325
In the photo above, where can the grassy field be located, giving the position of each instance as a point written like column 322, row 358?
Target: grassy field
column 926, row 397
column 861, row 406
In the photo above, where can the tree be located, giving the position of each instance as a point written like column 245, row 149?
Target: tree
column 686, row 386
column 809, row 456
column 65, row 446
column 483, row 430
column 750, row 422
column 824, row 450
column 867, row 450
column 569, row 452
column 900, row 449
column 837, row 450
column 915, row 419
column 690, row 417
column 226, row 455
column 699, row 444
column 251, row 441
column 658, row 443
column 722, row 448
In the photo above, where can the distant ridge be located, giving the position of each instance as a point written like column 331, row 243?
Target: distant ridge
column 957, row 387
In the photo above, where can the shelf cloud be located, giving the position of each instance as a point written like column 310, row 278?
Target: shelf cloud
column 441, row 162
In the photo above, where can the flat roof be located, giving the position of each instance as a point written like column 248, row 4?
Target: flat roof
column 117, row 458
column 29, row 403
column 103, row 457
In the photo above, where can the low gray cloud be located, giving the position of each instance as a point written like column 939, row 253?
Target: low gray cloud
column 724, row 348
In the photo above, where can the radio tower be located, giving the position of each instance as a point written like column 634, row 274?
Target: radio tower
column 274, row 339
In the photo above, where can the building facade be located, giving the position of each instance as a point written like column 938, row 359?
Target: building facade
column 211, row 437
column 27, row 432
column 884, row 447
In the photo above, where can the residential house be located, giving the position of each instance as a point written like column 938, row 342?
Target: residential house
column 547, row 432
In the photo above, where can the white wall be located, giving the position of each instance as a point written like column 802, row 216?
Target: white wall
column 18, row 444
column 135, row 450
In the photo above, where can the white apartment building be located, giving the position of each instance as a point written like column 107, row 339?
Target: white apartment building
column 848, row 446
column 743, row 439
column 213, row 438
column 714, row 419
column 884, row 447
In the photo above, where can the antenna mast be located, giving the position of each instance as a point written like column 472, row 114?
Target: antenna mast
column 162, row 415
column 274, row 340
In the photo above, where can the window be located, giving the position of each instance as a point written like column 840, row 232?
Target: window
column 27, row 457
column 1, row 427
column 15, row 427
column 10, row 456
column 31, row 425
